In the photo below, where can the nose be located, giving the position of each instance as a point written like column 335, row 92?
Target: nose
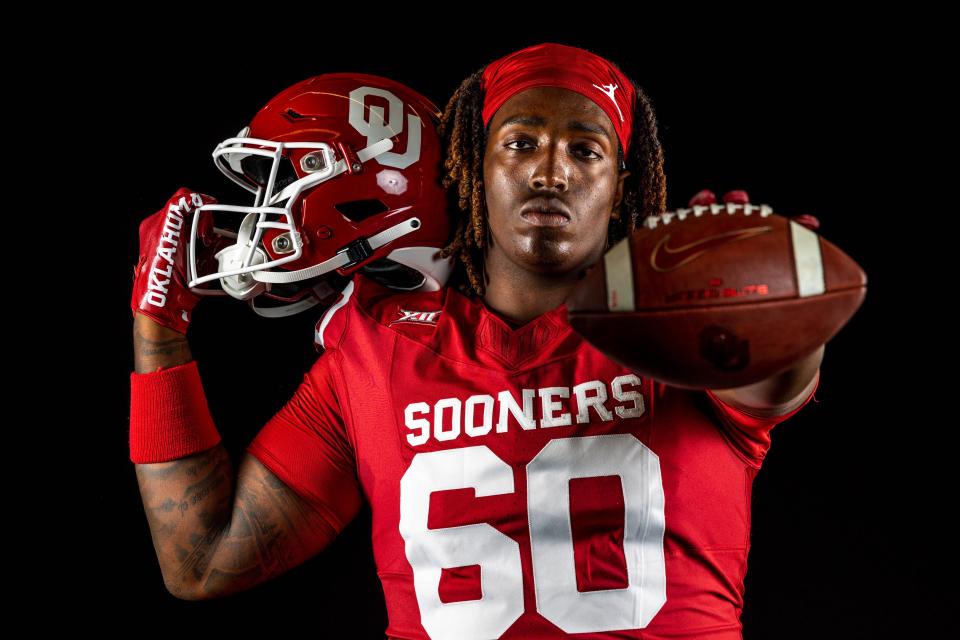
column 549, row 171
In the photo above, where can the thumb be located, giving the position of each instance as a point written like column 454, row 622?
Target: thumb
column 703, row 197
column 809, row 221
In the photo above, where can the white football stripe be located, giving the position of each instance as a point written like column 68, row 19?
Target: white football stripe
column 619, row 268
column 807, row 260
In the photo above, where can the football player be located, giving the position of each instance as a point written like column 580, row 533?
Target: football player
column 521, row 484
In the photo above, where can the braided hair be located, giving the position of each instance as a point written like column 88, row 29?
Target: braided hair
column 464, row 140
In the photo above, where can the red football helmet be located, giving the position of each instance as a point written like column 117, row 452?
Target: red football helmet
column 345, row 172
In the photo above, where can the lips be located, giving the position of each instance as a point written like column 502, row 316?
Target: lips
column 546, row 206
column 545, row 219
column 545, row 212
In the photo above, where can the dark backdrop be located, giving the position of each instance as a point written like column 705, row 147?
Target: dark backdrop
column 846, row 541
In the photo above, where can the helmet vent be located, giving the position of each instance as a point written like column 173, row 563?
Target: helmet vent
column 357, row 210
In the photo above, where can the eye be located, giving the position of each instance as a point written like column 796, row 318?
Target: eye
column 515, row 142
column 589, row 150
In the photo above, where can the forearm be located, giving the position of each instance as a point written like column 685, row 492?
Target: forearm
column 156, row 346
column 215, row 531
column 188, row 503
column 778, row 393
column 188, row 500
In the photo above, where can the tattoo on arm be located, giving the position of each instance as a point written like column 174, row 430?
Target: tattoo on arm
column 188, row 503
column 212, row 543
column 155, row 346
column 271, row 531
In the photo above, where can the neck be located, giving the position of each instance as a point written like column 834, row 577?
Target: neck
column 519, row 296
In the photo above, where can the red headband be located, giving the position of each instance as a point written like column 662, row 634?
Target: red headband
column 558, row 65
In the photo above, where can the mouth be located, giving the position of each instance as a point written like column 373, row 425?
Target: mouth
column 545, row 213
column 545, row 218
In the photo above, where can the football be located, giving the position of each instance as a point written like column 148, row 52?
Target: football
column 716, row 296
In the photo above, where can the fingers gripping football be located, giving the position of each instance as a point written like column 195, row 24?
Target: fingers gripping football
column 705, row 197
column 160, row 288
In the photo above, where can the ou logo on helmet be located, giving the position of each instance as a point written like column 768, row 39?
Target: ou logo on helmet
column 377, row 127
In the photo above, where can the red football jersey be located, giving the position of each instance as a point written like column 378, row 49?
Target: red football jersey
column 521, row 483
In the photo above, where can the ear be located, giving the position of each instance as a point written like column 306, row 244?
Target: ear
column 618, row 196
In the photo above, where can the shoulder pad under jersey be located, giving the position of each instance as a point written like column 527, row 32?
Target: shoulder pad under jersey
column 398, row 310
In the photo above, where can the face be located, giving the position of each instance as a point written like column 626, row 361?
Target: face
column 551, row 148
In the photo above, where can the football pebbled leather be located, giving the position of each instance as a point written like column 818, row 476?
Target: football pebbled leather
column 716, row 296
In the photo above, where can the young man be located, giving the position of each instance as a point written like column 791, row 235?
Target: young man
column 522, row 485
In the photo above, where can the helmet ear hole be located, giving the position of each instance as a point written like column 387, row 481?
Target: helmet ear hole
column 357, row 210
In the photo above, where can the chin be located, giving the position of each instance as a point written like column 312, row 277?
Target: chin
column 546, row 264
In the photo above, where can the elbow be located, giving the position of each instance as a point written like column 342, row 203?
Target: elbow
column 182, row 590
column 179, row 591
column 191, row 595
column 197, row 592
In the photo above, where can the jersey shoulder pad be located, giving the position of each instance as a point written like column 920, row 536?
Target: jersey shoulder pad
column 398, row 309
column 369, row 301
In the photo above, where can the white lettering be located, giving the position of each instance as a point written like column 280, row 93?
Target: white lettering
column 421, row 424
column 159, row 281
column 438, row 431
column 487, row 423
column 453, row 418
column 549, row 407
column 508, row 403
column 585, row 402
column 635, row 396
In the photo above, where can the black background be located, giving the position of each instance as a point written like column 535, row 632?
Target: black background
column 847, row 537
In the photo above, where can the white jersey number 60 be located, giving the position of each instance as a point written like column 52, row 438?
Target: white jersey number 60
column 551, row 539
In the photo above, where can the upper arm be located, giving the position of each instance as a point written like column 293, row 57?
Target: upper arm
column 731, row 399
column 765, row 397
column 297, row 488
column 271, row 530
column 749, row 429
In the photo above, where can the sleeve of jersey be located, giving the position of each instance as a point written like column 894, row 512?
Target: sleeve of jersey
column 750, row 431
column 307, row 446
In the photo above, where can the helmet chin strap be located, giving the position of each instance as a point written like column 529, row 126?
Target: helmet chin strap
column 322, row 293
column 286, row 310
column 345, row 257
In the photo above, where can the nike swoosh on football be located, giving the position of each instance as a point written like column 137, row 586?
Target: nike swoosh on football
column 670, row 259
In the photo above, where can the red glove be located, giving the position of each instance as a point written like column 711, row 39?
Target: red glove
column 159, row 279
column 703, row 197
column 707, row 197
column 739, row 196
column 807, row 220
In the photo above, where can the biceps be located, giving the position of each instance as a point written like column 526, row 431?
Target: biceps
column 272, row 530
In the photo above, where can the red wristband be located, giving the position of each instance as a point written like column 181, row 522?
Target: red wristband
column 169, row 416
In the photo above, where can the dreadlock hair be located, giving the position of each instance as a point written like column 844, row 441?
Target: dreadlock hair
column 464, row 140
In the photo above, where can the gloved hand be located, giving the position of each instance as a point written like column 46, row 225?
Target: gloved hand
column 707, row 197
column 160, row 276
column 703, row 197
column 739, row 196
